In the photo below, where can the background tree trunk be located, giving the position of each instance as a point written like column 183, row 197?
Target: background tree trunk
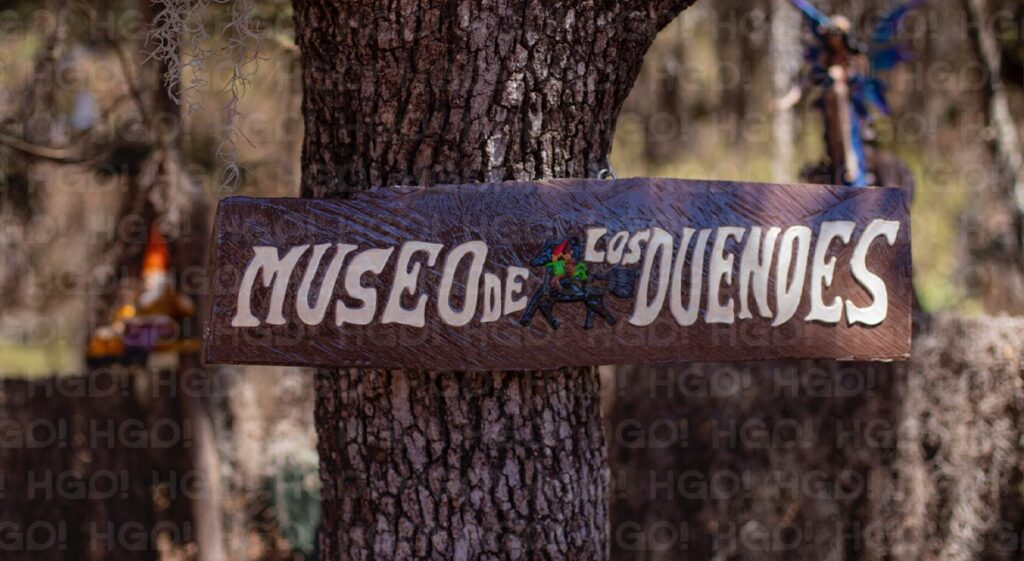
column 422, row 465
column 786, row 60
column 998, row 237
column 179, row 202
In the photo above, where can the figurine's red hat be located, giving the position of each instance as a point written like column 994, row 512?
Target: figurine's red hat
column 561, row 249
column 156, row 257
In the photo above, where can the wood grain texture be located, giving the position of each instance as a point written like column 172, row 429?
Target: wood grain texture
column 515, row 220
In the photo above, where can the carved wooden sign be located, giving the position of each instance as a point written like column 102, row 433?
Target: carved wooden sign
column 562, row 273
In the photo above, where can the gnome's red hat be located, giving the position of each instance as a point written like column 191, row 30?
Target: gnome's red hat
column 156, row 258
column 561, row 249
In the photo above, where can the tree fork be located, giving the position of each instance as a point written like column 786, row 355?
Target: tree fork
column 421, row 465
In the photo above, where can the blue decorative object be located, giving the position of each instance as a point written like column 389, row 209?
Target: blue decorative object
column 845, row 71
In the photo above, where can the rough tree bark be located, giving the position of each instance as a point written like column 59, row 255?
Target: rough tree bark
column 421, row 465
column 915, row 461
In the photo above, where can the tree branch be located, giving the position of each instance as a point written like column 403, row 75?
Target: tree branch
column 1006, row 142
column 59, row 155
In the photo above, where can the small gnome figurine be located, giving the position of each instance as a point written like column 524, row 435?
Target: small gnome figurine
column 151, row 317
column 563, row 266
column 163, row 318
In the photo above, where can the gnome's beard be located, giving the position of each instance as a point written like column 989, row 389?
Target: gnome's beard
column 154, row 285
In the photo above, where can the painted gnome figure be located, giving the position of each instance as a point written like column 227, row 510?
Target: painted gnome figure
column 568, row 279
column 152, row 318
column 567, row 274
column 844, row 73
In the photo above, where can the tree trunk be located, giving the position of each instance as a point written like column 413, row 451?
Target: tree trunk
column 1006, row 140
column 999, row 243
column 178, row 201
column 786, row 59
column 421, row 465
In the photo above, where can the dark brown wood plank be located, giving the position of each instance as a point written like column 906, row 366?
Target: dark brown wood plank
column 515, row 222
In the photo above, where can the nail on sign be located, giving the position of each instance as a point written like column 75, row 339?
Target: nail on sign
column 562, row 273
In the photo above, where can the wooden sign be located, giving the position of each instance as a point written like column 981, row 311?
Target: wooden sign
column 562, row 273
